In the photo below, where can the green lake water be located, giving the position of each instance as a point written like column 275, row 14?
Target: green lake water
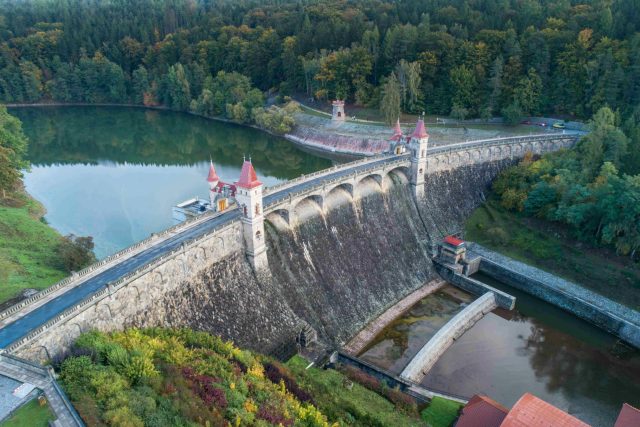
column 114, row 173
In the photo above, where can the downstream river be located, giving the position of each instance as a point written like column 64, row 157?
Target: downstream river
column 535, row 348
column 114, row 173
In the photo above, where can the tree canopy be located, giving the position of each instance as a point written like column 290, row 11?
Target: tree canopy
column 471, row 58
column 13, row 147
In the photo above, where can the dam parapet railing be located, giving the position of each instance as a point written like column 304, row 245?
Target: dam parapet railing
column 460, row 146
column 80, row 276
column 430, row 151
column 343, row 166
column 621, row 321
column 112, row 287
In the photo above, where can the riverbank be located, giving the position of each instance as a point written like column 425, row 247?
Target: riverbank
column 28, row 257
column 551, row 247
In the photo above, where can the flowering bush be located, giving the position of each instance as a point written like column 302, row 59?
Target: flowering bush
column 180, row 377
column 277, row 373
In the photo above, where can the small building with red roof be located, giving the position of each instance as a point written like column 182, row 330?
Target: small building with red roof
column 482, row 411
column 452, row 250
column 628, row 417
column 531, row 411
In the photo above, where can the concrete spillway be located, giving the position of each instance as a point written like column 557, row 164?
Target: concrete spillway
column 442, row 340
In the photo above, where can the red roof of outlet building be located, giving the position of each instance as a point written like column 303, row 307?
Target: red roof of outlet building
column 454, row 241
column 248, row 176
column 482, row 411
column 421, row 130
column 628, row 417
column 213, row 176
column 531, row 411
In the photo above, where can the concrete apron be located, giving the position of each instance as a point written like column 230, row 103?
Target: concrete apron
column 429, row 354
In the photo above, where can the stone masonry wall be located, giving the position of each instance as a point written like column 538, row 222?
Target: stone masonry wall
column 140, row 302
column 452, row 195
column 341, row 267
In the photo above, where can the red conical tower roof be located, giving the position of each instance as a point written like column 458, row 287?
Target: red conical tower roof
column 213, row 176
column 248, row 176
column 421, row 130
column 397, row 132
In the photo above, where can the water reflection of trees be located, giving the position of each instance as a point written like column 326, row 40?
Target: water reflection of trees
column 576, row 368
column 87, row 135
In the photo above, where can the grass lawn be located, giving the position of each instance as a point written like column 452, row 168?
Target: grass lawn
column 441, row 412
column 30, row 415
column 356, row 407
column 551, row 247
column 27, row 248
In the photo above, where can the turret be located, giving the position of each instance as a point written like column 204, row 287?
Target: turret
column 338, row 110
column 249, row 198
column 213, row 181
column 418, row 145
column 397, row 132
column 397, row 143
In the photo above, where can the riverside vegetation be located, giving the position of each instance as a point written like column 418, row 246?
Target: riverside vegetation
column 564, row 211
column 32, row 255
column 158, row 377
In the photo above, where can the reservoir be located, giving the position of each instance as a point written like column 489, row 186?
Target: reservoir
column 535, row 348
column 114, row 173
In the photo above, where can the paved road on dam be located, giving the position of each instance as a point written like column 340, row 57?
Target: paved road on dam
column 42, row 314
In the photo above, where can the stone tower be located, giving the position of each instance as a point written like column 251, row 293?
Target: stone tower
column 249, row 198
column 213, row 181
column 418, row 146
column 338, row 110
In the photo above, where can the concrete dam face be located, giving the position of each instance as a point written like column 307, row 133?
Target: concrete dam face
column 335, row 264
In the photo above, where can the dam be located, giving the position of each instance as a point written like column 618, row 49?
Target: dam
column 372, row 207
column 320, row 255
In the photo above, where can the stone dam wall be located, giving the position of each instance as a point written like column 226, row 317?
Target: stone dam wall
column 333, row 267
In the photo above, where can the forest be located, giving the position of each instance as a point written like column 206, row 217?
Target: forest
column 464, row 58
